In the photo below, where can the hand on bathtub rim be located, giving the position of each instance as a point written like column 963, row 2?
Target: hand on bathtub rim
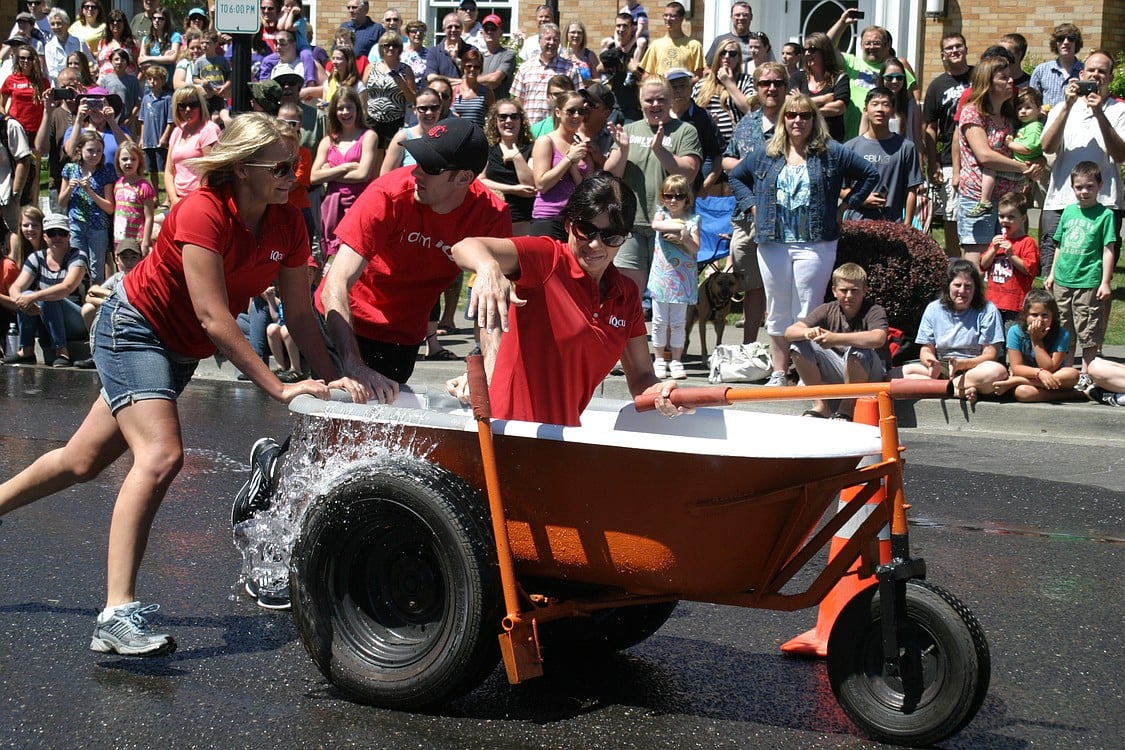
column 375, row 385
column 458, row 387
column 662, row 391
column 359, row 392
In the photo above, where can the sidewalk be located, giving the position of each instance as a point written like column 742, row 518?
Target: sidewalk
column 1069, row 420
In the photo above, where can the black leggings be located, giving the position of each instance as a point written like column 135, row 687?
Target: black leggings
column 394, row 361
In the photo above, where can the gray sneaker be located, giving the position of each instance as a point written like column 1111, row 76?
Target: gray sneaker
column 777, row 378
column 128, row 633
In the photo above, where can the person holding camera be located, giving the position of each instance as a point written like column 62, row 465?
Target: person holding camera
column 1087, row 125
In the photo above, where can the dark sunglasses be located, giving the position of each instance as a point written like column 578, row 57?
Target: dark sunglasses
column 279, row 169
column 576, row 111
column 675, row 196
column 812, row 49
column 798, row 115
column 158, row 18
column 435, row 171
column 894, row 76
column 193, row 104
column 89, row 7
column 427, row 107
column 1066, row 38
column 729, row 53
column 507, row 115
column 57, row 233
column 588, row 232
column 771, row 83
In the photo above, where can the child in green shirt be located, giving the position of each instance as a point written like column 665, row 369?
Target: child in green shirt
column 1079, row 279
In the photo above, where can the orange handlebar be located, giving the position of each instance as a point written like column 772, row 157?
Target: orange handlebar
column 725, row 395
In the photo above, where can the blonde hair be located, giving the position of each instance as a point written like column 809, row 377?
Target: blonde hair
column 187, row 91
column 244, row 137
column 133, row 148
column 818, row 139
column 677, row 183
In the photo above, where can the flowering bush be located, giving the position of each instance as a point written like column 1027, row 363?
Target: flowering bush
column 905, row 267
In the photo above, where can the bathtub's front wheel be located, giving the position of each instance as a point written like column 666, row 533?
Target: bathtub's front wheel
column 943, row 673
column 395, row 589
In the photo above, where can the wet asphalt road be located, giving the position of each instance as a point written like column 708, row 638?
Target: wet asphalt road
column 1029, row 534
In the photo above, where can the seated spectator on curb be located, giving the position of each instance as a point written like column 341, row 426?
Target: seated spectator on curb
column 1038, row 348
column 961, row 335
column 43, row 292
column 843, row 341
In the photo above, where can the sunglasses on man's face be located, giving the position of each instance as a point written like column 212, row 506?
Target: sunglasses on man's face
column 587, row 231
column 279, row 169
column 435, row 171
column 1066, row 38
column 56, row 233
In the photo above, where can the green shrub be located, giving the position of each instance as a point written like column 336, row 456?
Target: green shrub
column 905, row 267
column 1117, row 85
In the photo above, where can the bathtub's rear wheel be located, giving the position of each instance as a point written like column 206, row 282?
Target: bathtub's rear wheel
column 395, row 588
column 605, row 631
column 944, row 666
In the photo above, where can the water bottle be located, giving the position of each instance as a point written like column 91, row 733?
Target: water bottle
column 12, row 343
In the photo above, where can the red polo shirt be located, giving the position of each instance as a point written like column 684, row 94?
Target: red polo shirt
column 564, row 341
column 208, row 218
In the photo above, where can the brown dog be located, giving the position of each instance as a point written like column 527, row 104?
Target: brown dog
column 716, row 293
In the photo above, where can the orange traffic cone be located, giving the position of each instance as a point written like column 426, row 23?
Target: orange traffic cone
column 814, row 643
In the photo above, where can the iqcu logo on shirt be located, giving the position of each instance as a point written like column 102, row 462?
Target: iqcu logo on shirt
column 616, row 322
column 275, row 255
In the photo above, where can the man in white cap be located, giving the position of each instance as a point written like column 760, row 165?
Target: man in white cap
column 394, row 258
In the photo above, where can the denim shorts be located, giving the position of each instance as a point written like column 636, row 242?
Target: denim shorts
column 134, row 364
column 978, row 231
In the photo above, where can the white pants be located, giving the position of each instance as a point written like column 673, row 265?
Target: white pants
column 669, row 321
column 795, row 276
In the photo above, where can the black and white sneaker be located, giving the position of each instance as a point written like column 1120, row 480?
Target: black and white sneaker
column 265, row 469
column 1102, row 396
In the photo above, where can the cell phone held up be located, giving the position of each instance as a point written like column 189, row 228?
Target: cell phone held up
column 62, row 94
column 1085, row 88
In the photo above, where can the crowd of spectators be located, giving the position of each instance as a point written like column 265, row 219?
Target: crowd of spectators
column 803, row 136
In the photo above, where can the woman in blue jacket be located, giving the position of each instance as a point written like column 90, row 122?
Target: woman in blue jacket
column 793, row 187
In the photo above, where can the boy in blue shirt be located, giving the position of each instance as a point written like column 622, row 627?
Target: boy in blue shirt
column 155, row 117
column 1079, row 279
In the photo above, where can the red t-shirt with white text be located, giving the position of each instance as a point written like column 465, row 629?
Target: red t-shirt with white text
column 1006, row 285
column 565, row 340
column 208, row 218
column 407, row 249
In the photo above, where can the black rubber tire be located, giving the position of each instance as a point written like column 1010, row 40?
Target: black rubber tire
column 395, row 586
column 945, row 670
column 605, row 631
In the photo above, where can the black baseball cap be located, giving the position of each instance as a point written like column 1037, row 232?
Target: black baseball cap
column 452, row 143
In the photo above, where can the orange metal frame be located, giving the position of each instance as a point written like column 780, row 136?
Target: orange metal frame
column 519, row 640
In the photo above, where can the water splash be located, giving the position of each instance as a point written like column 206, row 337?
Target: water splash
column 323, row 449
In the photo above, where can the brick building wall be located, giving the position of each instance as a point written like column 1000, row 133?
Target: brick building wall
column 1102, row 23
